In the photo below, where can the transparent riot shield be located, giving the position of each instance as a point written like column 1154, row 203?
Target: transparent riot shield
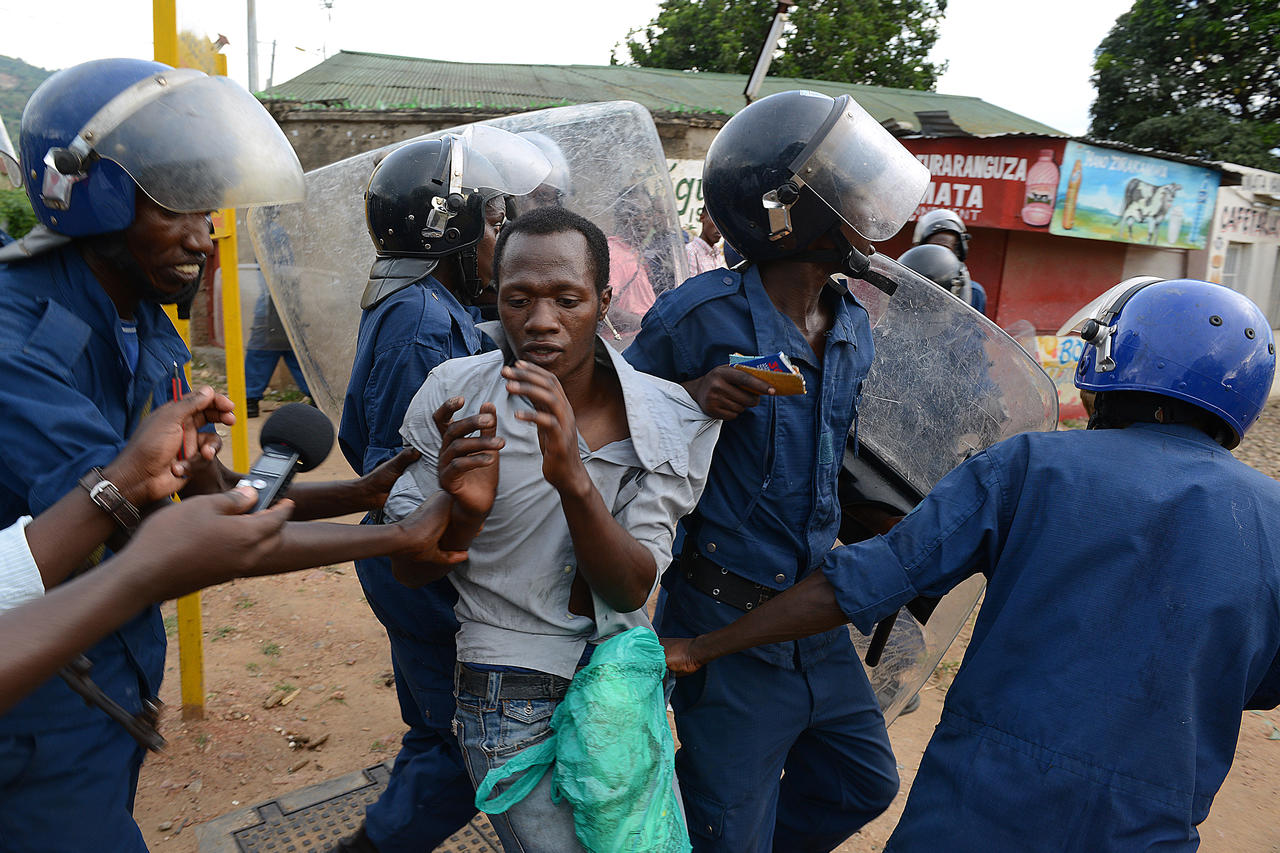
column 9, row 159
column 946, row 382
column 316, row 255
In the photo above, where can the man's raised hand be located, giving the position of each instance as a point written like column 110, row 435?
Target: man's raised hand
column 553, row 416
column 469, row 451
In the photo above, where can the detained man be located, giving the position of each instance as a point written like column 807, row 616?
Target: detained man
column 568, row 470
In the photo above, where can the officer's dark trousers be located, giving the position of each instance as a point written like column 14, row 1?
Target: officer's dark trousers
column 70, row 790
column 744, row 723
column 429, row 796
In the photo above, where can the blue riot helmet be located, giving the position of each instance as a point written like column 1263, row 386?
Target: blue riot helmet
column 1191, row 340
column 426, row 202
column 937, row 221
column 941, row 266
column 96, row 132
column 795, row 166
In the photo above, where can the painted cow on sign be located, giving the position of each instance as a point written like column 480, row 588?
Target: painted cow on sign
column 1146, row 203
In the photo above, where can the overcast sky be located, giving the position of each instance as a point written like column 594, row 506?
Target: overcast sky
column 1030, row 56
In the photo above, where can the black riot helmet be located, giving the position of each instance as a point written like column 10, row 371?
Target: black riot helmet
column 937, row 221
column 794, row 166
column 941, row 266
column 426, row 202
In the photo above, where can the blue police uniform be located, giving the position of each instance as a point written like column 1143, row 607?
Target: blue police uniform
column 401, row 340
column 1132, row 610
column 769, row 514
column 71, row 396
column 978, row 297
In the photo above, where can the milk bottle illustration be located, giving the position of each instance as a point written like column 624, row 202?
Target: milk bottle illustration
column 1173, row 225
column 1042, row 190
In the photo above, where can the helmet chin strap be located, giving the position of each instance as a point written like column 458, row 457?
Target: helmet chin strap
column 852, row 261
column 469, row 266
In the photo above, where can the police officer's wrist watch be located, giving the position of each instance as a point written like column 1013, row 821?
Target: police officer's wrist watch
column 107, row 498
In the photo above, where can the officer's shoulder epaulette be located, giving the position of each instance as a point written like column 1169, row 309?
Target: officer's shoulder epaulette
column 679, row 302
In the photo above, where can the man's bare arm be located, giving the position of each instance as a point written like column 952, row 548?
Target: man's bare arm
column 807, row 608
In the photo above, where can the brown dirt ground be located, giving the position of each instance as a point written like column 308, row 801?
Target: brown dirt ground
column 310, row 636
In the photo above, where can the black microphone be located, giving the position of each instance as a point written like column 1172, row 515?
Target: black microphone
column 297, row 437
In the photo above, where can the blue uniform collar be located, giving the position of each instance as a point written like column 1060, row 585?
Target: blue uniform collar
column 775, row 332
column 84, row 296
column 1179, row 431
column 465, row 321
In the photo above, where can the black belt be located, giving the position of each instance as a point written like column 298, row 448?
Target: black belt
column 515, row 685
column 723, row 585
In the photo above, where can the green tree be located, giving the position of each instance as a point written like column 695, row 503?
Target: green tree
column 1197, row 77
column 876, row 42
column 16, row 215
column 17, row 81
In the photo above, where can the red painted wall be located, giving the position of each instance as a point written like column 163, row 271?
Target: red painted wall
column 1047, row 279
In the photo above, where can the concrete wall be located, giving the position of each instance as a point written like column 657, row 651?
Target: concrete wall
column 324, row 136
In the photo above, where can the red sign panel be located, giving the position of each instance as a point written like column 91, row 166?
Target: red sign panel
column 991, row 183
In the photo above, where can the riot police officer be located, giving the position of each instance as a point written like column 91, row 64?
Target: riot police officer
column 942, row 267
column 782, row 747
column 433, row 209
column 122, row 161
column 1098, row 706
column 945, row 228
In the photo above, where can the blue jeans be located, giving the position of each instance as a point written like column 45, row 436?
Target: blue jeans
column 491, row 731
column 259, row 364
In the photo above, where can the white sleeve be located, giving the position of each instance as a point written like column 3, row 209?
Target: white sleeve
column 20, row 579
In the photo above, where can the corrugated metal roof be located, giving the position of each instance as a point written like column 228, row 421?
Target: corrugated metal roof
column 376, row 81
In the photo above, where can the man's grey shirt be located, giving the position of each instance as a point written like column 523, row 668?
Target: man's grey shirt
column 513, row 590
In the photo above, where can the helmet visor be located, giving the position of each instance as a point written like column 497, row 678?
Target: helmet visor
column 9, row 158
column 1106, row 303
column 862, row 173
column 205, row 145
column 559, row 176
column 499, row 160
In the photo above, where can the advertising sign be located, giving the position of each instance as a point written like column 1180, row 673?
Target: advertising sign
column 1004, row 183
column 1243, row 218
column 1130, row 198
column 686, row 179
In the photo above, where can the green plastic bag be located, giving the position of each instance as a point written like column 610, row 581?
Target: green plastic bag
column 610, row 753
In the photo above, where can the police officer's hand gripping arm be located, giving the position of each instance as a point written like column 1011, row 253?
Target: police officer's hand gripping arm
column 867, row 581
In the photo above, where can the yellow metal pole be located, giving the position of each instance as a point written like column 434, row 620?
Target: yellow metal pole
column 164, row 26
column 164, row 23
column 232, row 325
column 233, row 335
